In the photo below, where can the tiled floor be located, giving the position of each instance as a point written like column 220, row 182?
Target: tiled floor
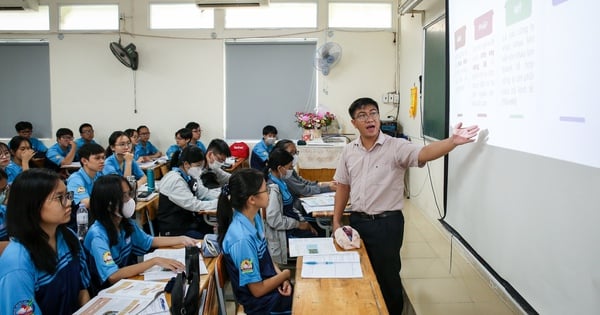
column 432, row 285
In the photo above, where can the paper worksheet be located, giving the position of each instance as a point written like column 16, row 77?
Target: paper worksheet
column 311, row 246
column 157, row 272
column 335, row 265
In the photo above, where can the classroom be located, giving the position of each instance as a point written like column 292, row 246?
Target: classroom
column 213, row 71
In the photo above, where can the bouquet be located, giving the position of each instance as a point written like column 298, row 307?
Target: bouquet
column 314, row 121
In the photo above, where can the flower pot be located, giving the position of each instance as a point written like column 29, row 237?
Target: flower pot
column 315, row 134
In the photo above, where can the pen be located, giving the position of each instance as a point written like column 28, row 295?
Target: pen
column 318, row 262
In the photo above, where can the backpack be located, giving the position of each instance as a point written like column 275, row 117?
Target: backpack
column 239, row 150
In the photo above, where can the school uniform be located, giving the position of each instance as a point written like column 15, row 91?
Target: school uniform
column 106, row 259
column 80, row 142
column 200, row 145
column 12, row 170
column 3, row 233
column 112, row 166
column 81, row 184
column 260, row 155
column 172, row 149
column 27, row 290
column 248, row 261
column 37, row 145
column 56, row 154
column 145, row 150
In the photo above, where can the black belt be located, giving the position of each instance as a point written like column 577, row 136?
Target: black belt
column 385, row 214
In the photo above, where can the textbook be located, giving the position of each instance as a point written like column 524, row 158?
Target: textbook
column 128, row 297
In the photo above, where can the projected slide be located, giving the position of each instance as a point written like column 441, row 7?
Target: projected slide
column 528, row 72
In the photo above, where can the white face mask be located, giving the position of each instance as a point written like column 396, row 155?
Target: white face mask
column 216, row 165
column 295, row 161
column 269, row 141
column 195, row 171
column 128, row 208
column 288, row 174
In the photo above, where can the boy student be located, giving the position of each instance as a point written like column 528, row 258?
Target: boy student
column 86, row 131
column 25, row 129
column 63, row 151
column 196, row 134
column 183, row 137
column 213, row 176
column 260, row 152
column 91, row 157
column 145, row 148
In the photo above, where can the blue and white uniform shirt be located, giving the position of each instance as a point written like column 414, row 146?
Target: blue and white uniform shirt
column 112, row 166
column 56, row 154
column 108, row 259
column 81, row 184
column 148, row 149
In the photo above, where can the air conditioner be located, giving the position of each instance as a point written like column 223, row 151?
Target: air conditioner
column 15, row 5
column 231, row 3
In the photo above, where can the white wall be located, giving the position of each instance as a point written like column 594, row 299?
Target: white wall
column 181, row 75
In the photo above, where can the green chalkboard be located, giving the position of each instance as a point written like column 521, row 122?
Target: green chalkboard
column 434, row 81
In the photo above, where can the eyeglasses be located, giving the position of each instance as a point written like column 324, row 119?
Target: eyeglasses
column 268, row 191
column 123, row 144
column 65, row 199
column 87, row 131
column 144, row 133
column 4, row 154
column 365, row 116
column 67, row 138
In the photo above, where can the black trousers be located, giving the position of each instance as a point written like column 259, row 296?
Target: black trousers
column 383, row 238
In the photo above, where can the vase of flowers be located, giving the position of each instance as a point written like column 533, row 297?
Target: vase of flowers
column 312, row 123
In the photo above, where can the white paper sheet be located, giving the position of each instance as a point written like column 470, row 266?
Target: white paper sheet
column 311, row 246
column 157, row 272
column 336, row 265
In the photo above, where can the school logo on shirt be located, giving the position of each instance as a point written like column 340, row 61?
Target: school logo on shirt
column 107, row 258
column 80, row 189
column 24, row 307
column 246, row 266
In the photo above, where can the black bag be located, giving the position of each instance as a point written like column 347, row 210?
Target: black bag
column 187, row 301
column 209, row 180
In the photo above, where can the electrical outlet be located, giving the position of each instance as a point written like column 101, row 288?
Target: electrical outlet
column 396, row 98
column 385, row 98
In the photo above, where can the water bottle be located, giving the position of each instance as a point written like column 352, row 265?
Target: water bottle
column 150, row 178
column 82, row 221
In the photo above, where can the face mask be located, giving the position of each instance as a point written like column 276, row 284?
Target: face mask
column 288, row 174
column 216, row 165
column 128, row 208
column 195, row 171
column 270, row 141
column 295, row 161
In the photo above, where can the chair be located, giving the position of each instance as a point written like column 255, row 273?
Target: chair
column 221, row 278
column 3, row 245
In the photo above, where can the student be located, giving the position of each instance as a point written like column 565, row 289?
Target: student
column 257, row 282
column 260, row 152
column 177, row 203
column 183, row 137
column 25, row 129
column 21, row 151
column 133, row 136
column 213, row 175
column 196, row 134
column 145, row 148
column 4, row 156
column 91, row 157
column 297, row 185
column 64, row 150
column 371, row 174
column 44, row 268
column 119, row 158
column 86, row 131
column 113, row 236
column 3, row 199
column 284, row 216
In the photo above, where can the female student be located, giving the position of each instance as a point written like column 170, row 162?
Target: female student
column 257, row 282
column 134, row 137
column 43, row 267
column 20, row 147
column 3, row 199
column 178, row 201
column 4, row 156
column 114, row 236
column 119, row 158
column 285, row 217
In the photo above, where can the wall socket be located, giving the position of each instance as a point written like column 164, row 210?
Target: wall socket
column 385, row 98
column 390, row 98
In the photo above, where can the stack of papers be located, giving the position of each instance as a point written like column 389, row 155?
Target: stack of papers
column 334, row 265
column 311, row 246
column 158, row 273
column 128, row 297
column 318, row 202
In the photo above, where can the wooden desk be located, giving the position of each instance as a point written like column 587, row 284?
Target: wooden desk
column 239, row 163
column 146, row 212
column 339, row 296
column 318, row 162
column 323, row 219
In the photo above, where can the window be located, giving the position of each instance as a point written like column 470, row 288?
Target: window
column 180, row 16
column 89, row 17
column 276, row 15
column 266, row 84
column 360, row 15
column 25, row 20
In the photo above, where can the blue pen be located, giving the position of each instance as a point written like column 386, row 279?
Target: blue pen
column 319, row 262
column 162, row 305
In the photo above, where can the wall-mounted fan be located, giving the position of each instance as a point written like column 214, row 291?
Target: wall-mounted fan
column 126, row 55
column 327, row 56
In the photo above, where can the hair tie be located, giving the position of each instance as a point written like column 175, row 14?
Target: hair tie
column 225, row 190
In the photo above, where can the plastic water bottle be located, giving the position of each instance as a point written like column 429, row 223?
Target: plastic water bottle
column 150, row 178
column 82, row 221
